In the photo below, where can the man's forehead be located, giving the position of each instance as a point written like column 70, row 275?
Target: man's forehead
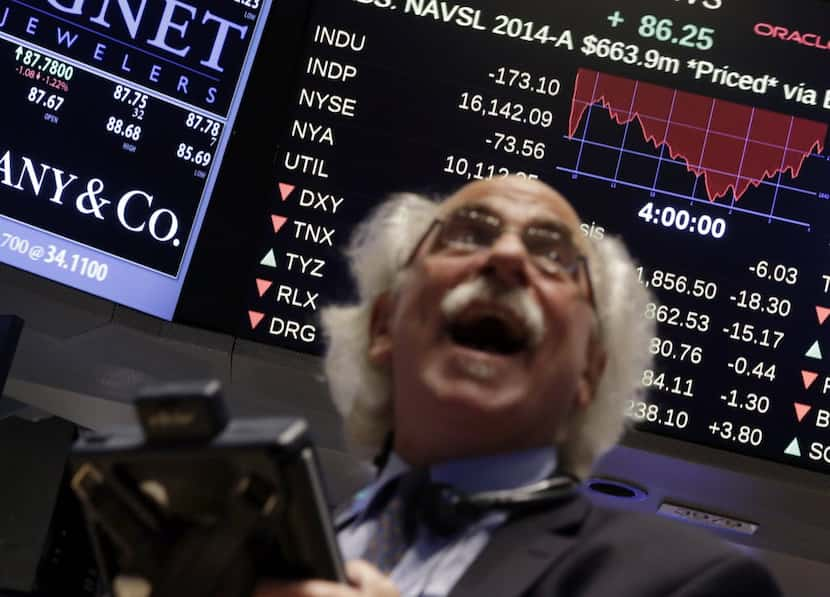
column 516, row 198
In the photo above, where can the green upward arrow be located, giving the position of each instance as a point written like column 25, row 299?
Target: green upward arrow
column 815, row 351
column 793, row 449
column 269, row 260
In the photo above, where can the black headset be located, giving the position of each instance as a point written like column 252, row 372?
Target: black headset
column 445, row 510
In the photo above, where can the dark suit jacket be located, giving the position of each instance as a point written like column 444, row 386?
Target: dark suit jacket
column 581, row 550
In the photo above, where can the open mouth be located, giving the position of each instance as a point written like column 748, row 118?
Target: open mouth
column 489, row 329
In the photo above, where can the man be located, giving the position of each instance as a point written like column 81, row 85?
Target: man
column 494, row 347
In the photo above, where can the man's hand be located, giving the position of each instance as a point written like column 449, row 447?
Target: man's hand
column 365, row 579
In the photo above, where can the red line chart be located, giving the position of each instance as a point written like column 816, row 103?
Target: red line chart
column 731, row 147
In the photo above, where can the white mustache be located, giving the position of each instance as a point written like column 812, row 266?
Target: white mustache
column 519, row 301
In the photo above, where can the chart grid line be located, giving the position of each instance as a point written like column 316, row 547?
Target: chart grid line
column 705, row 142
column 625, row 183
column 587, row 122
column 663, row 143
column 781, row 169
column 625, row 132
column 685, row 165
column 743, row 156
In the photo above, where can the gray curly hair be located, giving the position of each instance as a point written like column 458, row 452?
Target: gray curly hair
column 361, row 391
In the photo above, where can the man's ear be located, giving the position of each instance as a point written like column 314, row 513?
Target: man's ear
column 380, row 332
column 594, row 368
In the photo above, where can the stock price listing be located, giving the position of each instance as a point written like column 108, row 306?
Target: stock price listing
column 113, row 127
column 695, row 130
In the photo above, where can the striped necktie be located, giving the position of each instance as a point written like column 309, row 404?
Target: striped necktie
column 396, row 522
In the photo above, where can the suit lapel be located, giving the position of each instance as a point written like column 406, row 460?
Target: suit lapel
column 520, row 551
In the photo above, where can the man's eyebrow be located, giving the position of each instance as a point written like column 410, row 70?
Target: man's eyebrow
column 477, row 207
column 551, row 223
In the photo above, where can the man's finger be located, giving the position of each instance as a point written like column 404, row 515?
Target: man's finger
column 369, row 580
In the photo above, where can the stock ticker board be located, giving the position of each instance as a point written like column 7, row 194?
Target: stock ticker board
column 113, row 127
column 207, row 162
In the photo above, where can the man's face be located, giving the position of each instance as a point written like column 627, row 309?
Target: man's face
column 477, row 372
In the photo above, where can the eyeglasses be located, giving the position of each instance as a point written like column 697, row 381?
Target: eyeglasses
column 468, row 230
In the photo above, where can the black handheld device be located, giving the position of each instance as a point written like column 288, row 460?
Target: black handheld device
column 192, row 503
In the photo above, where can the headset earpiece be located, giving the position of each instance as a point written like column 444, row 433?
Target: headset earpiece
column 446, row 510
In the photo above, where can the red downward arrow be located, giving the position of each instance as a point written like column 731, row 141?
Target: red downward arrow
column 263, row 286
column 278, row 222
column 823, row 313
column 255, row 318
column 802, row 410
column 286, row 190
column 808, row 377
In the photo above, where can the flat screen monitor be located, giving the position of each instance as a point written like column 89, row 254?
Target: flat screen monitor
column 206, row 163
column 115, row 122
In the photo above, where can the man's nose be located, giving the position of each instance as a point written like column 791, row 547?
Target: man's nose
column 508, row 260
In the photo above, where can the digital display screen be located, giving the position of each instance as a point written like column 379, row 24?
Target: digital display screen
column 114, row 121
column 695, row 129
